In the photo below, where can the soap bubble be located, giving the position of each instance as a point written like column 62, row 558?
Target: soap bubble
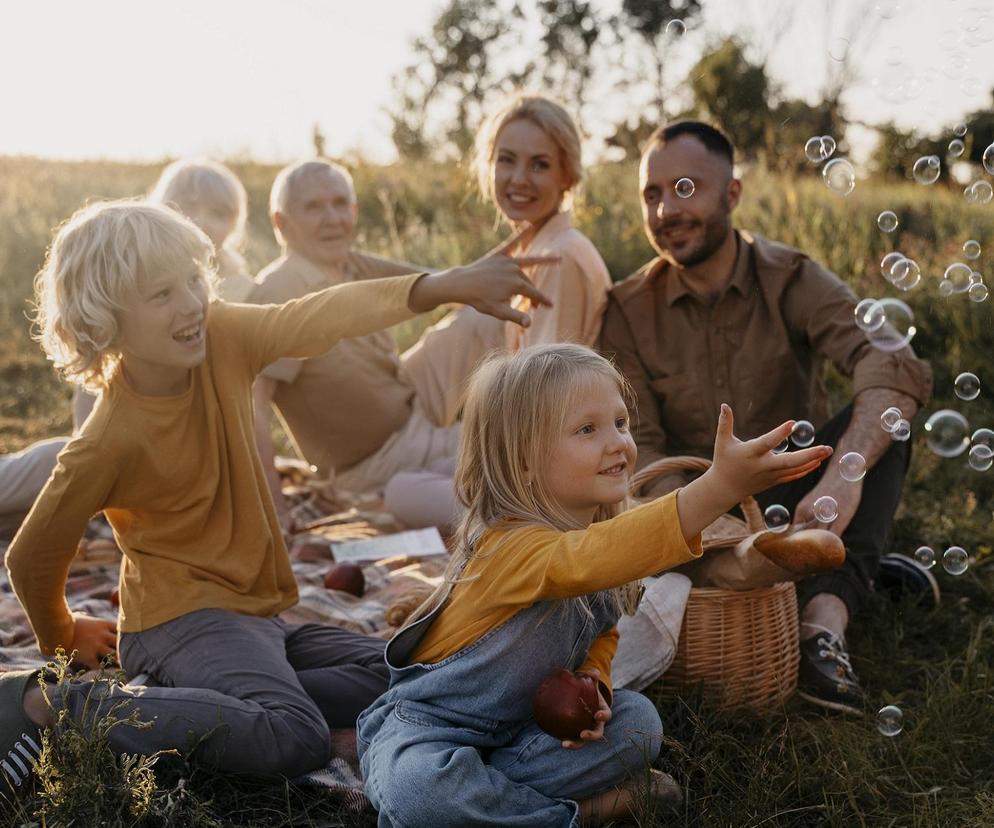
column 925, row 555
column 889, row 418
column 967, row 386
column 852, row 466
column 926, row 169
column 819, row 148
column 839, row 176
column 887, row 221
column 971, row 249
column 676, row 28
column 959, row 130
column 803, row 433
column 838, row 49
column 902, row 431
column 978, row 292
column 777, row 518
column 782, row 447
column 976, row 278
column 981, row 457
column 685, row 188
column 955, row 560
column 869, row 315
column 898, row 329
column 989, row 159
column 946, row 288
column 905, row 274
column 979, row 192
column 955, row 148
column 959, row 275
column 983, row 437
column 888, row 262
column 946, row 433
column 826, row 509
column 890, row 720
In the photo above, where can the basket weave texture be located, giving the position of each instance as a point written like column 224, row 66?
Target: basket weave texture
column 739, row 646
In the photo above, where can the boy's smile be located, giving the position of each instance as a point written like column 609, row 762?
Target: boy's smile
column 162, row 334
column 594, row 457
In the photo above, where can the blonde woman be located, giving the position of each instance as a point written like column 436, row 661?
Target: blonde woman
column 528, row 163
column 545, row 561
column 212, row 197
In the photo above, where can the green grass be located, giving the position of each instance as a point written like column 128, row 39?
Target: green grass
column 792, row 768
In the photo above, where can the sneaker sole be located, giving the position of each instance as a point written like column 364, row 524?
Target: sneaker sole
column 906, row 563
column 839, row 707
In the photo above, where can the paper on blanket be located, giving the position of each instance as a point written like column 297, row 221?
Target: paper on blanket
column 416, row 543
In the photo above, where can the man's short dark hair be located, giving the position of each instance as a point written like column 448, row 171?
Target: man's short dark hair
column 713, row 139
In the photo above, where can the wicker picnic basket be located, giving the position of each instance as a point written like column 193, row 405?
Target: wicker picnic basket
column 739, row 646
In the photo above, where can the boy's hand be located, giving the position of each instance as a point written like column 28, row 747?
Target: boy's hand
column 603, row 716
column 93, row 638
column 487, row 284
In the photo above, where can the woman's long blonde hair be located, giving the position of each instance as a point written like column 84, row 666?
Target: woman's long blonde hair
column 516, row 408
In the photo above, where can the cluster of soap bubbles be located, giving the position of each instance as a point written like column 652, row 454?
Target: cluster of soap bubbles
column 926, row 169
column 900, row 270
column 892, row 421
column 889, row 324
column 959, row 277
column 981, row 454
column 979, row 192
column 819, row 148
column 838, row 174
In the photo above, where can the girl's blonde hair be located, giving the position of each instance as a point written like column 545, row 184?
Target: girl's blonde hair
column 190, row 180
column 93, row 270
column 516, row 410
column 548, row 116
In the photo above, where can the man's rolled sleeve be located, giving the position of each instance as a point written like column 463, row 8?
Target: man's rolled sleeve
column 901, row 371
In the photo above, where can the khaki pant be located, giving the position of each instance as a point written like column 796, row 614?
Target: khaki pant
column 22, row 477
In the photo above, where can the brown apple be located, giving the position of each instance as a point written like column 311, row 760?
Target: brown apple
column 346, row 577
column 115, row 597
column 565, row 703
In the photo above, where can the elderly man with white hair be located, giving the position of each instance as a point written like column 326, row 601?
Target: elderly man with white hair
column 360, row 412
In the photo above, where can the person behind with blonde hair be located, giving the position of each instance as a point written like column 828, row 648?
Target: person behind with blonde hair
column 168, row 454
column 212, row 197
column 528, row 163
column 545, row 561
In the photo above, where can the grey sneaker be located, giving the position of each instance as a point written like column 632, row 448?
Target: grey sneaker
column 20, row 738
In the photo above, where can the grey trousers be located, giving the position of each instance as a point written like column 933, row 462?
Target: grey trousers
column 247, row 695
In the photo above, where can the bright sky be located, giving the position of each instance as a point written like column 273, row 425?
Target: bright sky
column 146, row 79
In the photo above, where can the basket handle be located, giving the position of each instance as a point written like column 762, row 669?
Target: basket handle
column 668, row 465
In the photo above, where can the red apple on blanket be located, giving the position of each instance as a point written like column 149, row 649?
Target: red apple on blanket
column 565, row 703
column 346, row 577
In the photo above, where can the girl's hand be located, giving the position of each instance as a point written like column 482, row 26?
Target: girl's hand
column 93, row 638
column 740, row 469
column 602, row 716
column 487, row 284
column 745, row 468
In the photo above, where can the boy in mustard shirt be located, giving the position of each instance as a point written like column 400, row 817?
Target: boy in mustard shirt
column 169, row 456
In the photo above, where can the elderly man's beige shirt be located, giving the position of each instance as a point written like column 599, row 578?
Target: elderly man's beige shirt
column 342, row 406
column 760, row 346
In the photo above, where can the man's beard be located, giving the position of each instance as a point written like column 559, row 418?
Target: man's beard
column 716, row 229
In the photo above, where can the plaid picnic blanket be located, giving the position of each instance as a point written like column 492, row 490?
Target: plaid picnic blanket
column 94, row 575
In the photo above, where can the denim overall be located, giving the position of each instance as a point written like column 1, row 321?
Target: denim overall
column 454, row 743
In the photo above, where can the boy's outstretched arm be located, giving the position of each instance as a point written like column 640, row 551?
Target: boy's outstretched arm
column 740, row 469
column 488, row 284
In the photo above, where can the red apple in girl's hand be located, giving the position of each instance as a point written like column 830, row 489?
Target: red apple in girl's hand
column 565, row 703
column 115, row 598
column 346, row 577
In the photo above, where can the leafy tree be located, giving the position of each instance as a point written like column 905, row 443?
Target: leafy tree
column 648, row 20
column 980, row 132
column 898, row 149
column 571, row 29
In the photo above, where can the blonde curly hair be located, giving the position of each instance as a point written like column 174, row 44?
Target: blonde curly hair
column 92, row 272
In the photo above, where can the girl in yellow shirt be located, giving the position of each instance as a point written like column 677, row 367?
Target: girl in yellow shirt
column 545, row 561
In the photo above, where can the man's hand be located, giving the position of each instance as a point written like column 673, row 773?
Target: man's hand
column 847, row 494
column 93, row 638
column 602, row 716
column 487, row 284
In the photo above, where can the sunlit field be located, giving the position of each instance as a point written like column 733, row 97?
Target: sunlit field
column 797, row 767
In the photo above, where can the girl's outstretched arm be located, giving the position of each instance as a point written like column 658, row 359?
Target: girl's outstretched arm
column 740, row 469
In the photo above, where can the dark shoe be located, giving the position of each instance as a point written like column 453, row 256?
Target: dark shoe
column 900, row 575
column 826, row 677
column 20, row 738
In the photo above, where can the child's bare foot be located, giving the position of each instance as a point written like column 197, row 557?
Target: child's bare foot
column 622, row 802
